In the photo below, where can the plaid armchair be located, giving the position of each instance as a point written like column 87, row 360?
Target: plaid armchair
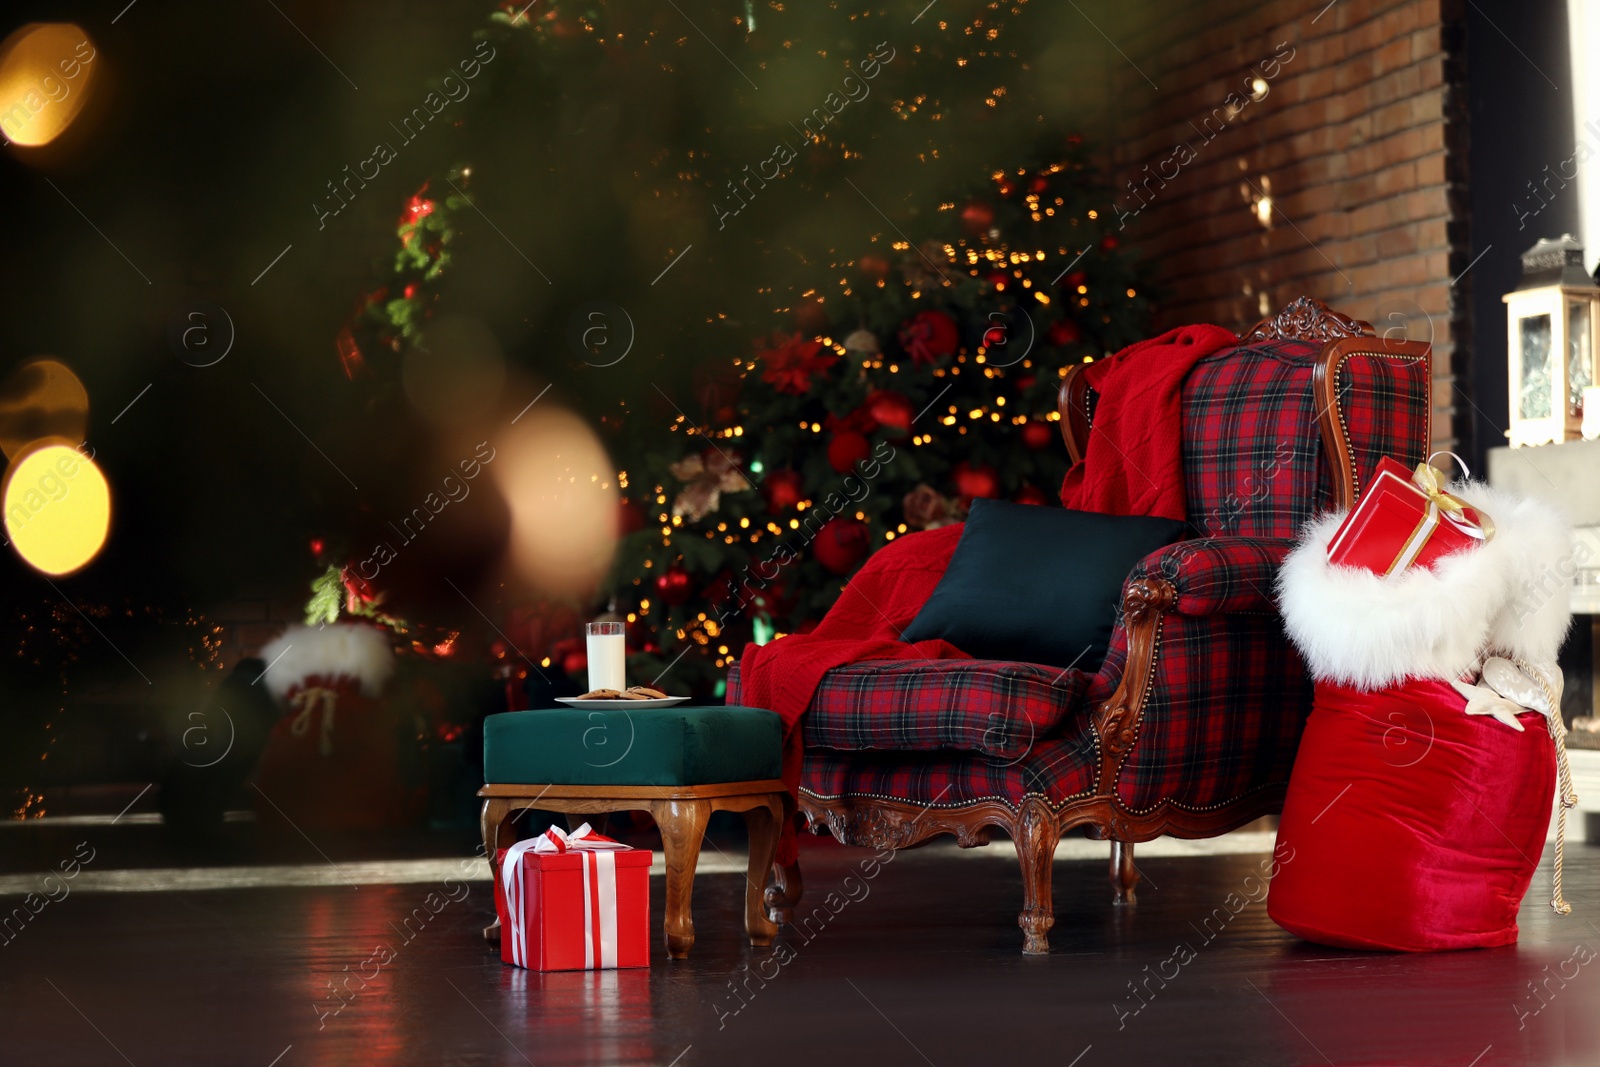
column 1190, row 726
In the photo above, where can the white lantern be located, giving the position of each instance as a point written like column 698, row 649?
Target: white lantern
column 1551, row 318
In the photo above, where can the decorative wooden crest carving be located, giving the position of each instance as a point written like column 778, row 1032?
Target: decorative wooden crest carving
column 1308, row 319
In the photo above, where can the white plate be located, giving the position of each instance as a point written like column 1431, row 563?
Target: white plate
column 620, row 705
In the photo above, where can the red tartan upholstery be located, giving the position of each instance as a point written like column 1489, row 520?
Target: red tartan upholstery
column 1227, row 695
column 1252, row 451
column 1223, row 712
column 1385, row 406
column 1219, row 574
column 991, row 707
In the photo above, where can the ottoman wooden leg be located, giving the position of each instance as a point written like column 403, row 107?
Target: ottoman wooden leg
column 683, row 825
column 763, row 823
column 494, row 822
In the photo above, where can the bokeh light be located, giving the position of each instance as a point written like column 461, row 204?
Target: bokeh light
column 456, row 372
column 42, row 398
column 46, row 73
column 561, row 490
column 57, row 507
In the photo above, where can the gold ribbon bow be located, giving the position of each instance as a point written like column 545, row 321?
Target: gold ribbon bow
column 1427, row 478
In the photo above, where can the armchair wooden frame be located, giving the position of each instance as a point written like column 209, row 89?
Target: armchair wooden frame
column 1034, row 825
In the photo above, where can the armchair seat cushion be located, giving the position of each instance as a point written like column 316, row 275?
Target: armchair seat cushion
column 995, row 707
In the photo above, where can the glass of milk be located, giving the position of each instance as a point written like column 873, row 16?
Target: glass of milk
column 607, row 656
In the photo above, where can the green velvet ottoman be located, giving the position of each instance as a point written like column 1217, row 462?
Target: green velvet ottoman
column 679, row 764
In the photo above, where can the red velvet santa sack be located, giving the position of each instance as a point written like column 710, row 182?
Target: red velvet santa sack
column 332, row 761
column 1409, row 824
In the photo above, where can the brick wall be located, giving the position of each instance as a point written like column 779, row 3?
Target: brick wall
column 1351, row 121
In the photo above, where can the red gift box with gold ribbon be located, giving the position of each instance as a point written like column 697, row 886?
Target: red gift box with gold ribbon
column 1406, row 519
column 573, row 902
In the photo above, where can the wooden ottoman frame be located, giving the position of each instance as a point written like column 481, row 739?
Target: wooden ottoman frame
column 680, row 812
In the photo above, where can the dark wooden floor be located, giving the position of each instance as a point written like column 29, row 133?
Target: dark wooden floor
column 919, row 964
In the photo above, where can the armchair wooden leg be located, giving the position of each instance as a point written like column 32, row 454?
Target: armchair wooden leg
column 1124, row 875
column 494, row 821
column 1035, row 836
column 683, row 825
column 763, row 823
column 784, row 892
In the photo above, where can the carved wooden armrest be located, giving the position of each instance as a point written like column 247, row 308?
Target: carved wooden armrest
column 1145, row 602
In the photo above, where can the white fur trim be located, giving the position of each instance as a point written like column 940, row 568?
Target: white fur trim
column 1369, row 631
column 340, row 650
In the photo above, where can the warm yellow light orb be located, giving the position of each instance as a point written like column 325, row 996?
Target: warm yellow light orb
column 557, row 483
column 46, row 69
column 42, row 398
column 57, row 508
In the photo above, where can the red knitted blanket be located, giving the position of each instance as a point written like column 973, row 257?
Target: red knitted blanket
column 1134, row 462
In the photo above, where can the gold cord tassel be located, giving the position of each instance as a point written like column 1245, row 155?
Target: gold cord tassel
column 1569, row 798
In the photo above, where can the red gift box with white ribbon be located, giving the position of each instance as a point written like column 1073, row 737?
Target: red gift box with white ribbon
column 1406, row 519
column 573, row 902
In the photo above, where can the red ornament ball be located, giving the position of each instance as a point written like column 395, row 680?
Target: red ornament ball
column 1075, row 279
column 410, row 291
column 783, row 490
column 630, row 518
column 1039, row 184
column 873, row 266
column 575, row 663
column 840, row 545
column 994, row 335
column 1037, row 434
column 999, row 279
column 977, row 217
column 846, row 450
column 1030, row 495
column 1006, row 186
column 930, row 336
column 811, row 318
column 972, row 482
column 1108, row 242
column 672, row 586
column 891, row 410
column 1065, row 332
column 1025, row 383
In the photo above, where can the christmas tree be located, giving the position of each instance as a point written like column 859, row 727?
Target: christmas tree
column 859, row 313
column 926, row 378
